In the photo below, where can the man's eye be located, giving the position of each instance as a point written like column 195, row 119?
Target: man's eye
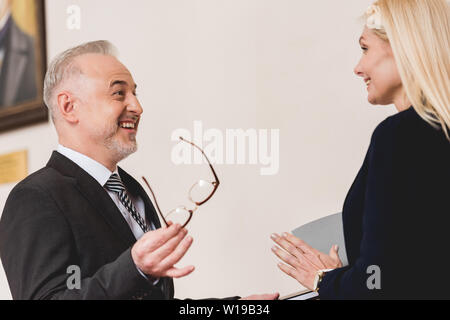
column 364, row 49
column 119, row 93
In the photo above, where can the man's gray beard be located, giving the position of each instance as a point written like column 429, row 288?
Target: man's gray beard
column 119, row 150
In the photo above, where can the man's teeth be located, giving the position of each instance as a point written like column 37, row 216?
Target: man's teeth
column 127, row 125
column 367, row 82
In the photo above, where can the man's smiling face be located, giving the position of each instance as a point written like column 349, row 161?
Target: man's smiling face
column 108, row 109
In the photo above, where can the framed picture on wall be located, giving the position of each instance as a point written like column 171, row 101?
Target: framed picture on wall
column 22, row 63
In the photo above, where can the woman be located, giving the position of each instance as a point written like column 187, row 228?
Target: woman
column 397, row 213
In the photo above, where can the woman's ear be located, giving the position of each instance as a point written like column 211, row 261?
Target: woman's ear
column 67, row 106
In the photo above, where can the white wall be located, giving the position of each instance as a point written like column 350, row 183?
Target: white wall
column 263, row 64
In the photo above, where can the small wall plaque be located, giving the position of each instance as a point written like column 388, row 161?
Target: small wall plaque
column 13, row 167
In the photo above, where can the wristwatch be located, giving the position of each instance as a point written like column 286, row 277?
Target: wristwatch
column 318, row 278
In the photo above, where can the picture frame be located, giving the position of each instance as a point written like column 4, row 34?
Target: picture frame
column 23, row 62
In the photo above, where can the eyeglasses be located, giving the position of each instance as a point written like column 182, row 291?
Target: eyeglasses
column 199, row 193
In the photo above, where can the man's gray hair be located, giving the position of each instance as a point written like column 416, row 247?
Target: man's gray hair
column 62, row 67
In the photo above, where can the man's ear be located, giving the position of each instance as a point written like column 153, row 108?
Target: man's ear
column 67, row 105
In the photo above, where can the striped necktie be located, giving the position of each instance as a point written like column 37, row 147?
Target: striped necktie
column 116, row 185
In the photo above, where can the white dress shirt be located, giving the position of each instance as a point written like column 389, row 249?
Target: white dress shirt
column 101, row 174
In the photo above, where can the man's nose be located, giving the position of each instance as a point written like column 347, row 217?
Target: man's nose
column 135, row 106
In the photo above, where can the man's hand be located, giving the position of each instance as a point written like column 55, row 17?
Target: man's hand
column 270, row 296
column 156, row 253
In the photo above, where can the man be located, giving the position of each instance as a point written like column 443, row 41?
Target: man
column 17, row 61
column 82, row 212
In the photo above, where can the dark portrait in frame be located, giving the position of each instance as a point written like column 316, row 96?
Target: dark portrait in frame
column 22, row 63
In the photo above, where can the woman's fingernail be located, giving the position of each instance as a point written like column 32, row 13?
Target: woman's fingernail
column 285, row 234
column 336, row 247
column 274, row 236
column 274, row 248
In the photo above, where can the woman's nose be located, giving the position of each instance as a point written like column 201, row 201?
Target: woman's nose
column 358, row 70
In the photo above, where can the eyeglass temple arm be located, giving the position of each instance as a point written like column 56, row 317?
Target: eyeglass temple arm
column 156, row 202
column 209, row 163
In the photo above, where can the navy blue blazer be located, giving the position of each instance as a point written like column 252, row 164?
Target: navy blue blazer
column 396, row 216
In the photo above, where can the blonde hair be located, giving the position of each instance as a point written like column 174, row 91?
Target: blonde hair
column 419, row 34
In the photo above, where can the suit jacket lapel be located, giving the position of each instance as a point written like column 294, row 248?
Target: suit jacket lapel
column 95, row 194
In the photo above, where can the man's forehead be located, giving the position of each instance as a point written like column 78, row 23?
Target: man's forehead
column 104, row 68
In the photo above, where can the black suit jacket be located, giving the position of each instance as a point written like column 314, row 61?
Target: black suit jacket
column 60, row 216
column 397, row 216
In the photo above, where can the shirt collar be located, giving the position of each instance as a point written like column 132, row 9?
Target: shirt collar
column 95, row 169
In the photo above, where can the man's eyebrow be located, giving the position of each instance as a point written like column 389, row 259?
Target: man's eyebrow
column 120, row 82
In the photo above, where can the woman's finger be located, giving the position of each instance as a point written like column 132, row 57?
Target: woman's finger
column 311, row 254
column 288, row 246
column 286, row 257
column 298, row 274
column 296, row 252
column 289, row 271
column 299, row 243
column 334, row 254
